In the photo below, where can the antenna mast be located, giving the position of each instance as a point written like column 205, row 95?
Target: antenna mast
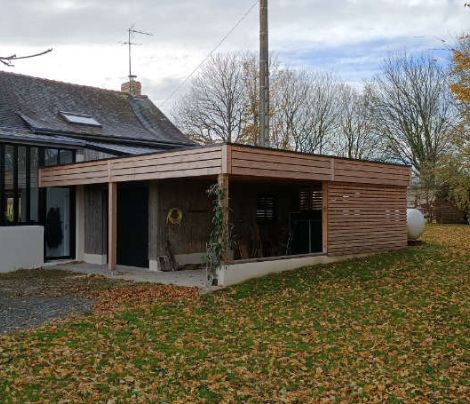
column 264, row 76
column 131, row 33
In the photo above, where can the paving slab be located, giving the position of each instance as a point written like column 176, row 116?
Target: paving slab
column 188, row 278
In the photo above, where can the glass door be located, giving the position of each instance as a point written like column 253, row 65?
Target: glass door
column 58, row 229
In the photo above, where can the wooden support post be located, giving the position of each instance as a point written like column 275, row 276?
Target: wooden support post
column 325, row 197
column 154, row 226
column 112, row 225
column 223, row 180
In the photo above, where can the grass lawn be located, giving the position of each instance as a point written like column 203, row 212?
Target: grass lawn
column 393, row 327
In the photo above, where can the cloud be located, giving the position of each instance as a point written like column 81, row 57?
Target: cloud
column 350, row 37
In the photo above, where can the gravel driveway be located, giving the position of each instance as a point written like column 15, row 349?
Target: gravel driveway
column 33, row 297
column 18, row 313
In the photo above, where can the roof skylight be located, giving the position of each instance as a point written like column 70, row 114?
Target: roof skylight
column 80, row 119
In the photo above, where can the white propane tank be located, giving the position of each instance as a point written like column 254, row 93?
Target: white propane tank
column 415, row 223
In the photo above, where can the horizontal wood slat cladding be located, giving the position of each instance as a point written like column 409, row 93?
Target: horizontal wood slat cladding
column 237, row 160
column 254, row 162
column 371, row 173
column 186, row 163
column 365, row 218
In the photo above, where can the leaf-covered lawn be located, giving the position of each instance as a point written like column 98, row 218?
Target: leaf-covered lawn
column 393, row 327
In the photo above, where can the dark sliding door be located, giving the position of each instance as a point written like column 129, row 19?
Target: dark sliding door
column 132, row 227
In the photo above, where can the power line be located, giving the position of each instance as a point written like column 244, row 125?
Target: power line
column 219, row 44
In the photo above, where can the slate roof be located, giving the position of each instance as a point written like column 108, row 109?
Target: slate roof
column 122, row 149
column 33, row 105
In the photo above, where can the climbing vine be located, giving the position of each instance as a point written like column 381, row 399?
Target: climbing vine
column 216, row 244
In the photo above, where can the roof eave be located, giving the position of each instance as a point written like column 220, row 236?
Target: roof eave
column 111, row 139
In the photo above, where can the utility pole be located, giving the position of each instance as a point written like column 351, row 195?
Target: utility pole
column 264, row 76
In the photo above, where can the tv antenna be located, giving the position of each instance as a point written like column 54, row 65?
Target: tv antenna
column 131, row 34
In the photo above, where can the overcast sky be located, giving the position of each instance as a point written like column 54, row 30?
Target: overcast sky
column 347, row 37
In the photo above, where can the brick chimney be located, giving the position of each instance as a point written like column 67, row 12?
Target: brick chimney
column 132, row 87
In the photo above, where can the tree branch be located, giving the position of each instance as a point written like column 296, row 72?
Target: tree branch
column 7, row 60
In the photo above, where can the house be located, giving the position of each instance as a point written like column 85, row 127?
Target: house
column 150, row 208
column 283, row 209
column 46, row 122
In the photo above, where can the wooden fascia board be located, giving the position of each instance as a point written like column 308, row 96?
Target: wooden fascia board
column 226, row 159
column 330, row 168
column 101, row 171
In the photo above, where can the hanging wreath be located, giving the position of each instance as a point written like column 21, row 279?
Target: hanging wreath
column 175, row 216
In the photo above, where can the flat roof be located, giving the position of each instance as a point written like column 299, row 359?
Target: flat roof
column 232, row 159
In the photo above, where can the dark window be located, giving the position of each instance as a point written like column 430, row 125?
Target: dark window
column 51, row 157
column 65, row 156
column 2, row 182
column 19, row 192
column 34, row 191
column 265, row 209
column 310, row 199
column 9, row 181
column 22, row 185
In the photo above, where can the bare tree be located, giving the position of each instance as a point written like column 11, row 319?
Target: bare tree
column 320, row 114
column 214, row 108
column 222, row 103
column 251, row 88
column 356, row 137
column 251, row 83
column 414, row 111
column 290, row 115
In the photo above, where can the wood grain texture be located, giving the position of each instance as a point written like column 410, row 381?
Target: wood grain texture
column 112, row 226
column 325, row 202
column 237, row 160
column 192, row 235
column 95, row 215
column 277, row 164
column 365, row 218
column 176, row 164
column 255, row 162
column 154, row 220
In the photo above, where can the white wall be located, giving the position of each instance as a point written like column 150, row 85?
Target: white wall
column 21, row 247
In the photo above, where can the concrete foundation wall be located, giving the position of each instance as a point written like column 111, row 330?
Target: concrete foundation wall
column 21, row 247
column 181, row 259
column 95, row 259
column 235, row 273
